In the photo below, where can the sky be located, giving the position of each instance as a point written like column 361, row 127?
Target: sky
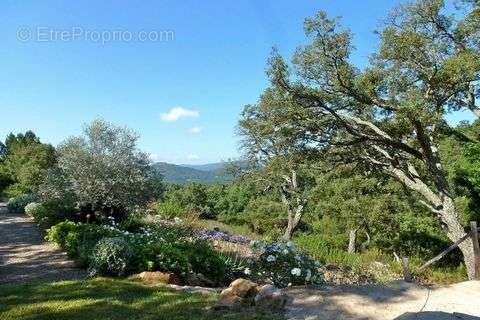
column 176, row 72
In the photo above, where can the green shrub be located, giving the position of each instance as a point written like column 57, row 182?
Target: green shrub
column 157, row 247
column 58, row 233
column 205, row 260
column 111, row 256
column 75, row 237
column 266, row 217
column 170, row 258
column 84, row 252
column 18, row 203
column 169, row 209
column 235, row 265
column 176, row 248
column 134, row 223
column 45, row 215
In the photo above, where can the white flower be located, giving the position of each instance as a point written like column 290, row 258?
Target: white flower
column 290, row 245
column 296, row 272
column 177, row 220
column 285, row 251
column 271, row 258
column 261, row 250
column 309, row 275
column 247, row 271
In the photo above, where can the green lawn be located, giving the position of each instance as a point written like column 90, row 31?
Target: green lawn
column 107, row 299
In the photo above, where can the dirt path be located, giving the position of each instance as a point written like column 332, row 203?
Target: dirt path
column 25, row 257
column 400, row 301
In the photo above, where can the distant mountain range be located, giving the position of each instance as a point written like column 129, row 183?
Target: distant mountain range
column 206, row 167
column 204, row 173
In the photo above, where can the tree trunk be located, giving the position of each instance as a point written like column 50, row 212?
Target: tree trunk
column 455, row 231
column 291, row 192
column 293, row 220
column 288, row 233
column 352, row 239
column 440, row 199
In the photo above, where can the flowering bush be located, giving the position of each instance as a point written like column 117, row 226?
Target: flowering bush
column 158, row 247
column 282, row 264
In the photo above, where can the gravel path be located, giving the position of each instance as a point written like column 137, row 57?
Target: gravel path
column 399, row 301
column 25, row 257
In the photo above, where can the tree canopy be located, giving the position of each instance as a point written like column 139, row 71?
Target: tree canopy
column 102, row 169
column 23, row 163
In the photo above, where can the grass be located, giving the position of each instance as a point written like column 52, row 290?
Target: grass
column 111, row 299
column 435, row 274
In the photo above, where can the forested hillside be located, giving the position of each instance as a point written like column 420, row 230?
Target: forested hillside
column 182, row 174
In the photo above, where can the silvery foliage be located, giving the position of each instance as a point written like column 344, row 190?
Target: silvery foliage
column 111, row 256
column 102, row 167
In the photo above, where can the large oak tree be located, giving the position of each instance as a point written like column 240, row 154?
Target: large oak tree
column 389, row 115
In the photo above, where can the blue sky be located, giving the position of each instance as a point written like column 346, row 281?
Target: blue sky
column 212, row 65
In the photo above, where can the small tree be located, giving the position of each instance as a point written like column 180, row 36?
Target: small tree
column 23, row 163
column 103, row 170
column 272, row 141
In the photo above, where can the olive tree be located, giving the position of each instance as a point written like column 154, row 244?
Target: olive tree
column 102, row 169
column 390, row 114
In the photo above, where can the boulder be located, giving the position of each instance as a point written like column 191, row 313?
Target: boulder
column 227, row 293
column 269, row 297
column 198, row 280
column 240, row 293
column 159, row 277
column 242, row 288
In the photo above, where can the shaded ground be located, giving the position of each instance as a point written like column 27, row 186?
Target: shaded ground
column 400, row 301
column 25, row 257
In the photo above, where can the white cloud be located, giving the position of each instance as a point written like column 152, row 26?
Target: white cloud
column 193, row 156
column 195, row 130
column 177, row 113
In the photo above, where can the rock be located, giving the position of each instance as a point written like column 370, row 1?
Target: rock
column 228, row 303
column 269, row 297
column 242, row 288
column 198, row 280
column 227, row 292
column 331, row 267
column 241, row 292
column 159, row 277
column 189, row 289
column 363, row 279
